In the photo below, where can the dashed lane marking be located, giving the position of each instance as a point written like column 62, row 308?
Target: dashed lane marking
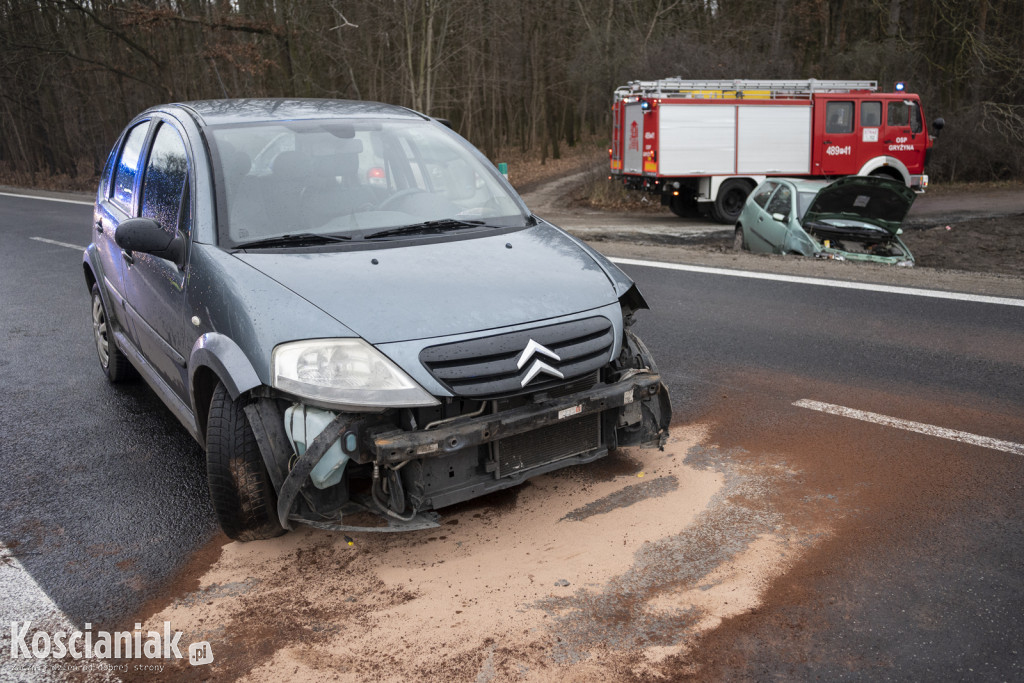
column 919, row 427
column 887, row 289
column 59, row 244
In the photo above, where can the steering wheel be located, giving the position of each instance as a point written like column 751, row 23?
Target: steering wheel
column 399, row 196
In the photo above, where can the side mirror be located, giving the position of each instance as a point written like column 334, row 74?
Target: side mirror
column 938, row 124
column 779, row 217
column 146, row 235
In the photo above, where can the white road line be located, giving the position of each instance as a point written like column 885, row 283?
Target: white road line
column 47, row 199
column 22, row 599
column 919, row 427
column 59, row 244
column 888, row 289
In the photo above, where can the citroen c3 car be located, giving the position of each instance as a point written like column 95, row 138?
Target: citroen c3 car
column 855, row 218
column 355, row 315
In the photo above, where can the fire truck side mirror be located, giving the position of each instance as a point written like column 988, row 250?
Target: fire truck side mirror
column 938, row 124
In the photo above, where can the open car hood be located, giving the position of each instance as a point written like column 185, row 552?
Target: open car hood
column 878, row 201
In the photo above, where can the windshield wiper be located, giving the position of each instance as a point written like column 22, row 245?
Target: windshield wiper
column 425, row 228
column 293, row 240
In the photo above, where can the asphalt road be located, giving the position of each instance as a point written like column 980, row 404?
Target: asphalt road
column 103, row 495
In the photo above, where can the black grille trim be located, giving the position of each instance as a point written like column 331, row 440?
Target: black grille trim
column 486, row 367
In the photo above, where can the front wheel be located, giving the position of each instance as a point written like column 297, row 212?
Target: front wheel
column 115, row 365
column 739, row 243
column 240, row 487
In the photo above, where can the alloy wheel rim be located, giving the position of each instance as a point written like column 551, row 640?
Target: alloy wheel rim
column 99, row 329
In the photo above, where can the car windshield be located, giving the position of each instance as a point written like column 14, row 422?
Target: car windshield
column 351, row 177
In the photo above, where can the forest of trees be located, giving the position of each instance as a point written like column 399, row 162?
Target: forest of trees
column 536, row 75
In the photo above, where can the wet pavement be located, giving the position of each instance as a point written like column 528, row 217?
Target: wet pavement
column 906, row 549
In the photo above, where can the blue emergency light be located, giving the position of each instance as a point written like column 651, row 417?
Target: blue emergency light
column 645, row 105
column 901, row 86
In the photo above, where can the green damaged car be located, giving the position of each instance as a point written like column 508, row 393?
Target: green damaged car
column 856, row 218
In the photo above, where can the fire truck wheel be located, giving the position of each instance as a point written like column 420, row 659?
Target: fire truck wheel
column 684, row 207
column 738, row 243
column 729, row 203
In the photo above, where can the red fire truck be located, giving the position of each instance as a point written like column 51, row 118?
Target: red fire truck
column 704, row 145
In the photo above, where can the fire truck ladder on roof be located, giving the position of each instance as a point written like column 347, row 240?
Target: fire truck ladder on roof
column 679, row 88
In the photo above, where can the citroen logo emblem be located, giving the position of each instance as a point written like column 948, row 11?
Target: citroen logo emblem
column 539, row 366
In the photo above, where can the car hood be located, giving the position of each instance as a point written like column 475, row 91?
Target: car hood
column 871, row 199
column 415, row 291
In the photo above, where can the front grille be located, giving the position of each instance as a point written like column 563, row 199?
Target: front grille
column 487, row 367
column 548, row 444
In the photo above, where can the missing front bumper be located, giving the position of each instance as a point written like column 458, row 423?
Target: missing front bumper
column 464, row 458
column 396, row 446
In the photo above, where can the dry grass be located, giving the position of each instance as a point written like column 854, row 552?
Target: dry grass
column 40, row 180
column 940, row 189
column 597, row 191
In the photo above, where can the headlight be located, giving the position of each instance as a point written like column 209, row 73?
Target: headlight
column 349, row 372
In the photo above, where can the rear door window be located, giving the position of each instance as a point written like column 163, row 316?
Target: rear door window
column 128, row 167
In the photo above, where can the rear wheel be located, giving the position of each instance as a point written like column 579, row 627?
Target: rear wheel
column 732, row 194
column 240, row 488
column 115, row 365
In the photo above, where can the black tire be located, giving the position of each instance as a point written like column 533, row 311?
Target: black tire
column 739, row 243
column 240, row 488
column 732, row 195
column 890, row 175
column 115, row 365
column 684, row 207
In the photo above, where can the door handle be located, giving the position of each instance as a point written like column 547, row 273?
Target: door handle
column 99, row 227
column 128, row 258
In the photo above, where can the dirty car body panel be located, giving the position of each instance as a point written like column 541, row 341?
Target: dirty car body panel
column 347, row 304
column 854, row 218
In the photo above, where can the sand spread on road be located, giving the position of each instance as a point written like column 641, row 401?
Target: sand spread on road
column 583, row 574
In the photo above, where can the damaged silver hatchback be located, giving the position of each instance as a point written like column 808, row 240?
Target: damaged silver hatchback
column 353, row 312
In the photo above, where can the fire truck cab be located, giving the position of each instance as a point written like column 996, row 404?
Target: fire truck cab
column 704, row 145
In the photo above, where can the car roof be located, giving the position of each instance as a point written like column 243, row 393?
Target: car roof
column 217, row 112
